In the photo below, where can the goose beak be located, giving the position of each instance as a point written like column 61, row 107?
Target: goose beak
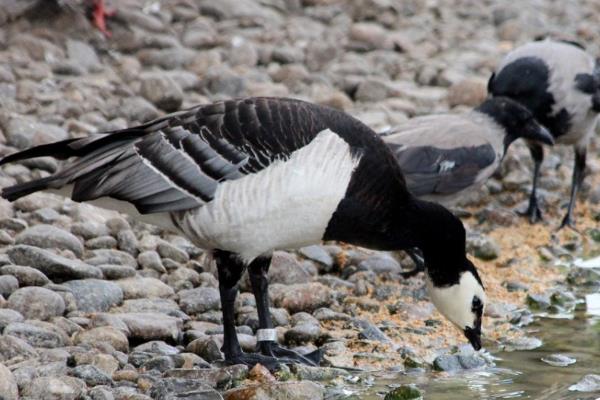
column 538, row 133
column 474, row 336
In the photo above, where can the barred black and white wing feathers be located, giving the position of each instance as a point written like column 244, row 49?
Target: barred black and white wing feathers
column 177, row 162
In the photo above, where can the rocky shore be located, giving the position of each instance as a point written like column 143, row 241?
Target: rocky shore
column 95, row 306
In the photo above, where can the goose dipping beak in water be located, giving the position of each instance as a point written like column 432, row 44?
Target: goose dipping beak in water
column 242, row 178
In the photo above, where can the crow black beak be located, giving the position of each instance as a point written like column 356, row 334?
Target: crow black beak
column 474, row 336
column 538, row 133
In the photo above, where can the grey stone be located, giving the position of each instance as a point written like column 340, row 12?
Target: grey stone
column 102, row 242
column 38, row 334
column 538, row 302
column 165, row 306
column 151, row 260
column 91, row 375
column 458, row 362
column 167, row 250
column 482, row 247
column 318, row 254
column 23, row 132
column 36, row 303
column 127, row 242
column 302, row 333
column 522, row 343
column 8, row 284
column 8, row 384
column 135, row 288
column 7, row 316
column 206, row 347
column 180, row 388
column 381, row 263
column 93, row 295
column 55, row 387
column 26, row 276
column 224, row 82
column 300, row 297
column 83, row 54
column 308, row 373
column 292, row 390
column 50, row 237
column 111, row 271
column 89, row 230
column 52, row 265
column 111, row 256
column 12, row 346
column 103, row 334
column 199, row 300
column 589, row 383
column 151, row 326
column 369, row 331
column 137, row 108
column 558, row 360
column 100, row 393
column 286, row 269
column 157, row 347
column 162, row 91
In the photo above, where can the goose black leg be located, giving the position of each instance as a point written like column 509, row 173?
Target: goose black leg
column 257, row 271
column 230, row 269
column 578, row 174
column 417, row 257
column 533, row 211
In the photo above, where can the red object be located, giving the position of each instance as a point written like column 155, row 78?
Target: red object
column 99, row 16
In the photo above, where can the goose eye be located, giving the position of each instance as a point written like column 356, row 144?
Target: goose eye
column 476, row 304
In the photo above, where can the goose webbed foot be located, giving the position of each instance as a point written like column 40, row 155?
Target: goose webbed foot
column 273, row 349
column 417, row 257
column 568, row 222
column 251, row 359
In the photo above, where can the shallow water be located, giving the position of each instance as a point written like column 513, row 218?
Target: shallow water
column 517, row 374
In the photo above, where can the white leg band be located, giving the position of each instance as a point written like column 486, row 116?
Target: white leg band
column 266, row 335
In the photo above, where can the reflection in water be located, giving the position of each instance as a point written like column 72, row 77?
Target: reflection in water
column 519, row 374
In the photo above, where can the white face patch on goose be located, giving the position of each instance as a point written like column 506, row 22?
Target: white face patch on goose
column 456, row 302
column 286, row 205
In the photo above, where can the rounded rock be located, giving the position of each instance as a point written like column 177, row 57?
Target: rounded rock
column 37, row 303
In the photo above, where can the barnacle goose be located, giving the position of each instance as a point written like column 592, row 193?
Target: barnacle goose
column 245, row 177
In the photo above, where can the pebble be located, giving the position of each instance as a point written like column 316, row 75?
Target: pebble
column 91, row 375
column 522, row 343
column 300, row 297
column 589, row 383
column 558, row 360
column 12, row 346
column 162, row 91
column 95, row 295
column 199, row 300
column 151, row 326
column 483, row 247
column 103, row 334
column 38, row 333
column 151, row 260
column 136, row 288
column 8, row 384
column 317, row 254
column 36, row 303
column 54, row 387
column 26, row 276
column 178, row 388
column 300, row 390
column 111, row 271
column 52, row 265
column 8, row 284
column 286, row 269
column 50, row 237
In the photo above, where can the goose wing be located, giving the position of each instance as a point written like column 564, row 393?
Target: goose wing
column 176, row 162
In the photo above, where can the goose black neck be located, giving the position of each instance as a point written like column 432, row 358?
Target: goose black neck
column 441, row 237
